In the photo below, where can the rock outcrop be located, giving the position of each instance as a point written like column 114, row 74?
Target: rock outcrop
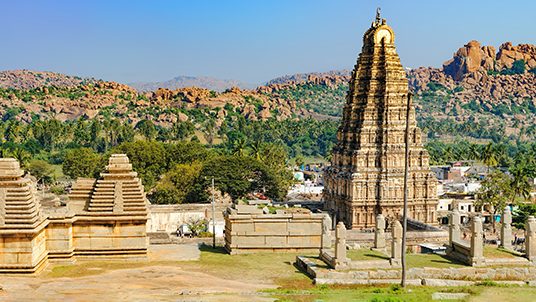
column 474, row 58
column 27, row 79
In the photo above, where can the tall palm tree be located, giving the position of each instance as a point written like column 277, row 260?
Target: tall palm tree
column 520, row 182
column 489, row 156
column 239, row 146
column 256, row 148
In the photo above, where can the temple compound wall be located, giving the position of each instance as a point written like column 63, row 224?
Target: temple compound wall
column 249, row 230
column 105, row 218
column 366, row 176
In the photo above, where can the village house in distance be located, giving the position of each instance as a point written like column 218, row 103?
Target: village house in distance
column 367, row 167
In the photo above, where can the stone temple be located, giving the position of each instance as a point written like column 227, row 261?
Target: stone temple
column 104, row 218
column 366, row 175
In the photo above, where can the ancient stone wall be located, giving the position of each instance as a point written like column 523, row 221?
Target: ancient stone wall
column 248, row 230
column 167, row 218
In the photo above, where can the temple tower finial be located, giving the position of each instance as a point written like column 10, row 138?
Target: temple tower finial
column 378, row 15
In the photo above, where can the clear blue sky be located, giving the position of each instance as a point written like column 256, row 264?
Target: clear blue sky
column 249, row 40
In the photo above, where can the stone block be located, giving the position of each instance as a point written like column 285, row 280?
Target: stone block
column 59, row 245
column 100, row 243
column 275, row 241
column 247, row 209
column 129, row 242
column 304, row 241
column 445, row 282
column 242, row 228
column 304, row 228
column 249, row 241
column 269, row 228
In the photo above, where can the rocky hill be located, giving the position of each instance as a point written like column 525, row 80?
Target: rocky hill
column 187, row 81
column 164, row 107
column 27, row 79
column 479, row 93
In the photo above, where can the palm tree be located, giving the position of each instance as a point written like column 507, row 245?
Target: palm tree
column 520, row 183
column 239, row 146
column 489, row 156
column 256, row 147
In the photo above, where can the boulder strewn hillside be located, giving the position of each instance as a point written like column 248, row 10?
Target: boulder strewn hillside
column 478, row 93
column 27, row 79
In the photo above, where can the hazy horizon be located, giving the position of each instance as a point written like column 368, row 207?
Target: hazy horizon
column 251, row 42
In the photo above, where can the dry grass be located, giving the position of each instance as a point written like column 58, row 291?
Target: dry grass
column 275, row 268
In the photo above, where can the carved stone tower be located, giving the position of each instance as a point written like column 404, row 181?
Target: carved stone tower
column 367, row 167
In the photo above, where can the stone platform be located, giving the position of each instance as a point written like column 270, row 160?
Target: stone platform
column 364, row 272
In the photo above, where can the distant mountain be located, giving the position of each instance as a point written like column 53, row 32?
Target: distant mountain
column 188, row 81
column 28, row 79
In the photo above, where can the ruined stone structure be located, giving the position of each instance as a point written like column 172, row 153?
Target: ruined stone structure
column 104, row 218
column 249, row 230
column 367, row 167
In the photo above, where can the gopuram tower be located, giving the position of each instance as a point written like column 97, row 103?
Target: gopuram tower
column 366, row 175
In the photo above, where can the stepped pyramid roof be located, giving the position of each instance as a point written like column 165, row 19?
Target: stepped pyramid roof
column 19, row 209
column 117, row 191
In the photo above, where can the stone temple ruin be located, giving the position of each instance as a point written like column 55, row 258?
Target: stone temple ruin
column 105, row 218
column 367, row 167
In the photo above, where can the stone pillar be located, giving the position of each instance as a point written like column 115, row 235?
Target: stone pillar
column 506, row 229
column 379, row 234
column 477, row 242
column 326, row 233
column 530, row 238
column 340, row 243
column 396, row 243
column 454, row 226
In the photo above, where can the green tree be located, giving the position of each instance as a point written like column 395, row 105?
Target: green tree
column 520, row 180
column 48, row 133
column 148, row 158
column 43, row 171
column 489, row 156
column 81, row 162
column 496, row 192
column 177, row 185
column 147, row 129
column 522, row 213
column 236, row 176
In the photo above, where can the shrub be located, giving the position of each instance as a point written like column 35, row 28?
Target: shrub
column 58, row 190
column 517, row 68
column 435, row 86
column 205, row 234
column 197, row 225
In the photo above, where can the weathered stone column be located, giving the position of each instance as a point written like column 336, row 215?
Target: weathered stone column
column 379, row 234
column 506, row 229
column 530, row 238
column 396, row 243
column 454, row 226
column 340, row 243
column 477, row 242
column 326, row 233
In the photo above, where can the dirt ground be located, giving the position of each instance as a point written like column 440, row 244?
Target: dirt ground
column 148, row 282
